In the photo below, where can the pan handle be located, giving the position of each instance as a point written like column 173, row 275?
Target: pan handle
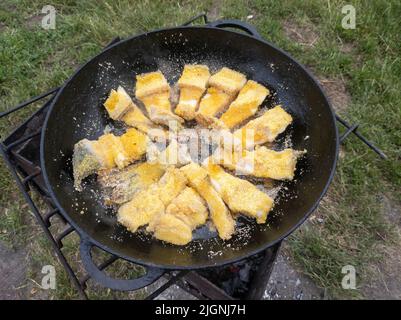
column 236, row 24
column 152, row 274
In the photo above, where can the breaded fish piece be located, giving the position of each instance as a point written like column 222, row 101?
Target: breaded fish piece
column 240, row 195
column 134, row 144
column 118, row 103
column 150, row 83
column 192, row 85
column 188, row 102
column 278, row 165
column 214, row 102
column 245, row 105
column 224, row 86
column 264, row 128
column 221, row 217
column 115, row 153
column 169, row 228
column 189, row 207
column 228, row 81
column 107, row 152
column 103, row 153
column 146, row 205
column 158, row 107
column 119, row 186
column 143, row 207
column 262, row 162
column 120, row 106
column 85, row 161
column 134, row 117
column 194, row 76
column 175, row 154
column 210, row 122
column 171, row 184
column 157, row 102
column 154, row 92
column 183, row 214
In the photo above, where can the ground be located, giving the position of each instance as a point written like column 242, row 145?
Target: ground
column 358, row 223
column 12, row 272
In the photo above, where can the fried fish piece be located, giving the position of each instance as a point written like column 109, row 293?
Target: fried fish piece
column 264, row 128
column 146, row 205
column 245, row 105
column 210, row 122
column 176, row 154
column 194, row 76
column 119, row 186
column 171, row 184
column 158, row 107
column 189, row 207
column 192, row 85
column 224, row 86
column 262, row 162
column 278, row 165
column 228, row 81
column 134, row 117
column 240, row 195
column 85, row 161
column 107, row 152
column 188, row 102
column 134, row 144
column 169, row 228
column 183, row 214
column 118, row 103
column 154, row 92
column 221, row 217
column 141, row 209
column 150, row 83
column 213, row 102
column 114, row 150
column 120, row 106
column 157, row 102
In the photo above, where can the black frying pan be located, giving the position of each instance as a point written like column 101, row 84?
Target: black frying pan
column 77, row 112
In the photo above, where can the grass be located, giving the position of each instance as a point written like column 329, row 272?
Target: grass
column 354, row 225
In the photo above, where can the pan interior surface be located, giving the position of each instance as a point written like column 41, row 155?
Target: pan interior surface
column 78, row 113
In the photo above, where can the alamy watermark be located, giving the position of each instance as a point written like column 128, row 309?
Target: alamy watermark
column 49, row 20
column 216, row 146
column 349, row 280
column 49, row 278
column 349, row 19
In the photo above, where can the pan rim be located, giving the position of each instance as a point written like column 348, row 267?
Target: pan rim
column 85, row 236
